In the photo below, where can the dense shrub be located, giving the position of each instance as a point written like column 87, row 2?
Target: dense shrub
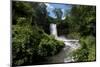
column 21, row 44
column 49, row 46
column 30, row 44
column 87, row 50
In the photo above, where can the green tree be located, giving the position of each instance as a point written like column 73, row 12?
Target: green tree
column 82, row 22
column 58, row 13
column 82, row 19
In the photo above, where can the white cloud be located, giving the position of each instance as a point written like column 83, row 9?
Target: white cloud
column 48, row 5
column 63, row 18
column 63, row 10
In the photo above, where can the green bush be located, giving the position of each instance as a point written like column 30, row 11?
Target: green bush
column 21, row 44
column 49, row 46
column 30, row 44
column 87, row 51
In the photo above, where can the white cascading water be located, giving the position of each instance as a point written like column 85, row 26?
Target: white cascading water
column 53, row 30
column 70, row 45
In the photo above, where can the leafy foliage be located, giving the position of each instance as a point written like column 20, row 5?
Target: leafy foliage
column 87, row 50
column 82, row 23
column 49, row 46
column 30, row 42
column 58, row 13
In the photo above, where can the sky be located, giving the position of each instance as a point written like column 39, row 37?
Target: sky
column 52, row 6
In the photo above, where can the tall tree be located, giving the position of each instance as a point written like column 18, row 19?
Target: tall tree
column 82, row 19
column 58, row 13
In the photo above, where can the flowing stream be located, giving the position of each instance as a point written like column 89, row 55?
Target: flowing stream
column 64, row 54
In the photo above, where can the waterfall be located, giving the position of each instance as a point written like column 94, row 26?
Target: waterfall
column 53, row 30
column 70, row 45
column 67, row 42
